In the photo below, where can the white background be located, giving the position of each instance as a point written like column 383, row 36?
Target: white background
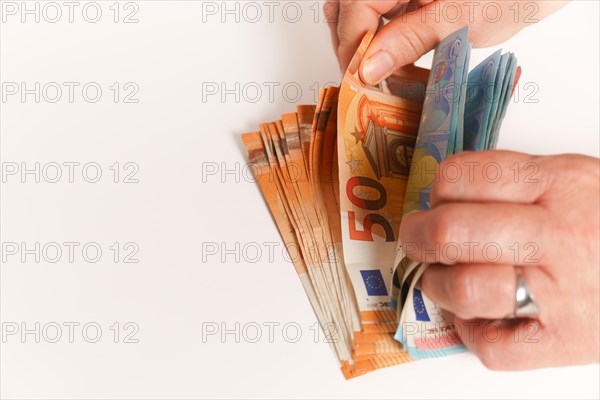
column 176, row 209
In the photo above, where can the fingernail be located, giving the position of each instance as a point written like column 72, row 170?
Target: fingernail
column 377, row 67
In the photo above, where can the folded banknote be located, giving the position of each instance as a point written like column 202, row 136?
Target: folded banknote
column 338, row 176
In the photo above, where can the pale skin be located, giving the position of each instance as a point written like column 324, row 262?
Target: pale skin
column 543, row 213
column 417, row 26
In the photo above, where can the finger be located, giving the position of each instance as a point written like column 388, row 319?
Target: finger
column 356, row 18
column 471, row 290
column 331, row 11
column 493, row 176
column 406, row 39
column 402, row 41
column 501, row 233
column 511, row 344
column 400, row 9
column 482, row 290
column 406, row 7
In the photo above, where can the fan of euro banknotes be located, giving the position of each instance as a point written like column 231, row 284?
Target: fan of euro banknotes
column 338, row 177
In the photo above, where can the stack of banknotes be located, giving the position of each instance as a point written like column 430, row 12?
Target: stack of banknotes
column 338, row 177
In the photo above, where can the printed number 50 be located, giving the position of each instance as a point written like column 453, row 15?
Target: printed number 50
column 367, row 204
column 369, row 221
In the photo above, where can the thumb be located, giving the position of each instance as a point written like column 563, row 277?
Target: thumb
column 401, row 42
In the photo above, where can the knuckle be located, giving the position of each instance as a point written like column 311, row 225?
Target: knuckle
column 568, row 167
column 440, row 188
column 346, row 3
column 407, row 226
column 440, row 231
column 442, row 227
column 429, row 283
column 462, row 292
column 331, row 9
column 451, row 175
column 412, row 43
column 505, row 289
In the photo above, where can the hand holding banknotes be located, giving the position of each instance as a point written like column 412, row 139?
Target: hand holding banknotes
column 417, row 26
column 537, row 207
column 542, row 214
column 406, row 252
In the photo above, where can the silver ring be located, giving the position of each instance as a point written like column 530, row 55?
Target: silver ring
column 525, row 304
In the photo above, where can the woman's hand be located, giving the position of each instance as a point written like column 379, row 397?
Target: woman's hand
column 495, row 210
column 417, row 26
